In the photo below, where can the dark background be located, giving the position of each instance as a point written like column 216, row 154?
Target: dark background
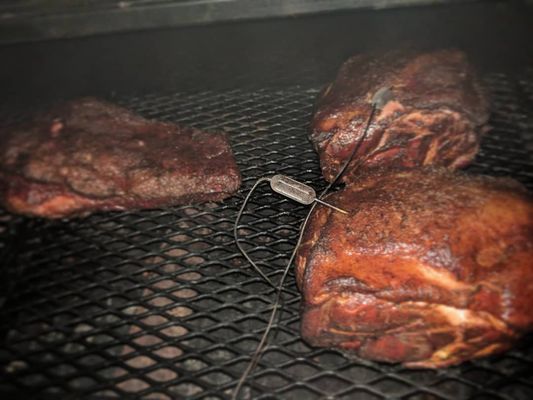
column 286, row 51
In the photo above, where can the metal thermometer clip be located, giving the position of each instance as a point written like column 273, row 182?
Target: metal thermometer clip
column 297, row 191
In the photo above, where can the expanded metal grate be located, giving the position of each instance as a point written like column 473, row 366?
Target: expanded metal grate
column 160, row 304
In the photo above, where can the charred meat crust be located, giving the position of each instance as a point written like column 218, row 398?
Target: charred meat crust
column 436, row 116
column 431, row 267
column 90, row 155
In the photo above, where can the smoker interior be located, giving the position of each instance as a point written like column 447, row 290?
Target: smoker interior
column 160, row 304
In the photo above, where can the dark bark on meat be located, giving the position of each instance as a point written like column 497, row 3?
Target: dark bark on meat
column 430, row 268
column 436, row 115
column 88, row 155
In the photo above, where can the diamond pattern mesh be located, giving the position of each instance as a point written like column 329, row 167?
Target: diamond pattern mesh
column 160, row 304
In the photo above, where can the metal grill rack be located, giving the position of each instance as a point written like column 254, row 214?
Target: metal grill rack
column 160, row 304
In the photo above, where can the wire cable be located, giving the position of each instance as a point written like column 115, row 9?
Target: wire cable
column 236, row 235
column 260, row 347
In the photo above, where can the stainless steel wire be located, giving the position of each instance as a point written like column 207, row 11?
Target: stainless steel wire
column 261, row 346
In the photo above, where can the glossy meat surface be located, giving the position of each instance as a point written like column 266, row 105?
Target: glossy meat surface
column 89, row 155
column 435, row 116
column 431, row 267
